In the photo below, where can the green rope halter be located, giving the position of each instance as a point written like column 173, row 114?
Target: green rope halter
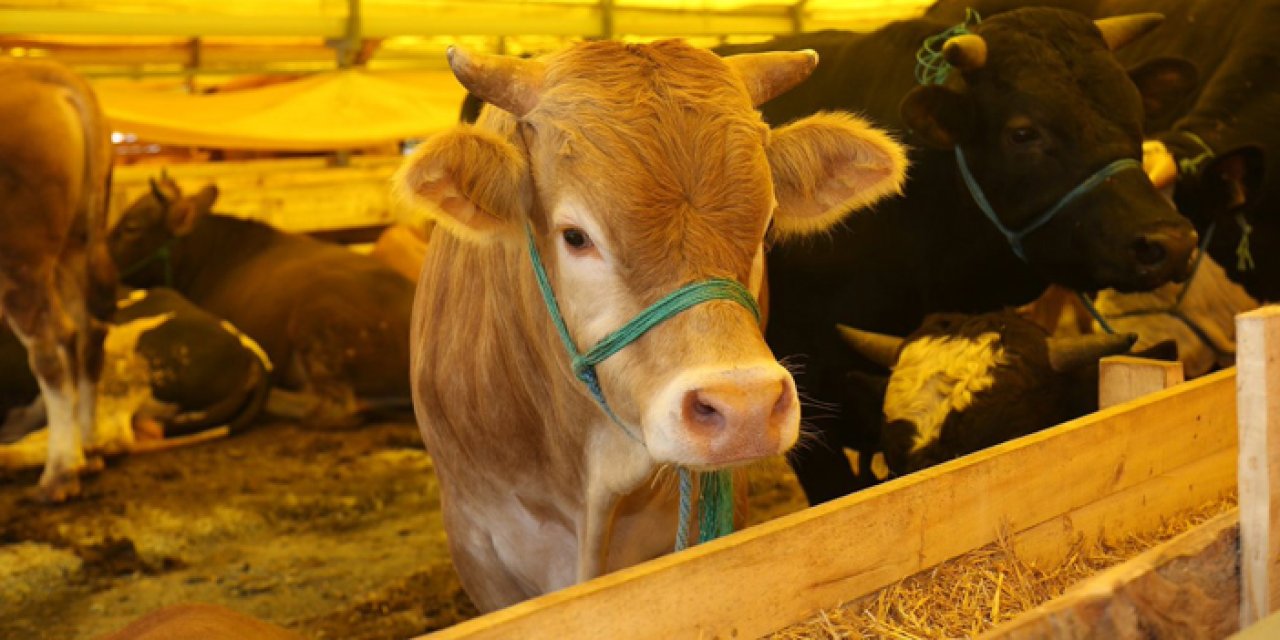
column 163, row 255
column 716, row 505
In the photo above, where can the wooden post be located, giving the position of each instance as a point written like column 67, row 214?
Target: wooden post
column 1123, row 378
column 1258, row 398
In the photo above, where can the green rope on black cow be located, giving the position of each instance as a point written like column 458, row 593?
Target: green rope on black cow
column 931, row 66
column 716, row 506
column 164, row 254
column 1087, row 301
column 1244, row 256
column 1192, row 166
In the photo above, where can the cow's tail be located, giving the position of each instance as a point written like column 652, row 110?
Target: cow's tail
column 237, row 411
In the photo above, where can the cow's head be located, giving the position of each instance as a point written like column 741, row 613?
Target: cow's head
column 1038, row 105
column 152, row 223
column 640, row 169
column 1211, row 187
column 961, row 382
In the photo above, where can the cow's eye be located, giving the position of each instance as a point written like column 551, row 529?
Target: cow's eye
column 1023, row 135
column 576, row 238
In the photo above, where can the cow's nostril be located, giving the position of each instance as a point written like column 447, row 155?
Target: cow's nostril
column 702, row 410
column 1149, row 252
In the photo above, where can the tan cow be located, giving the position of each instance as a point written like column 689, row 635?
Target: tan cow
column 57, row 281
column 639, row 169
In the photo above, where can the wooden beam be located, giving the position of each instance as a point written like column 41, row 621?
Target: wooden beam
column 784, row 571
column 1187, row 587
column 1123, row 378
column 105, row 23
column 1258, row 361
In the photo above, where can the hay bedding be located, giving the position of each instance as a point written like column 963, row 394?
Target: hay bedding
column 969, row 595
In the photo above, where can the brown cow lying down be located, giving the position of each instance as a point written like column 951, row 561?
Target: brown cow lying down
column 57, row 284
column 403, row 248
column 636, row 169
column 334, row 323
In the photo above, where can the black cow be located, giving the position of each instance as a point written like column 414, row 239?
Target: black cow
column 169, row 369
column 335, row 323
column 1235, row 44
column 962, row 383
column 1038, row 104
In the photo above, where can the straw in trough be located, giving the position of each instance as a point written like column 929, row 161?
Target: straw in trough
column 970, row 594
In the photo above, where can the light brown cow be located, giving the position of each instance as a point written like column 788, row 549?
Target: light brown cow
column 639, row 169
column 57, row 281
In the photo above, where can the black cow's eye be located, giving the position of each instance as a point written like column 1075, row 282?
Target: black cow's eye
column 1023, row 135
column 576, row 238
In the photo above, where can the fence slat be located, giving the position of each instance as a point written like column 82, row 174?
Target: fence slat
column 1258, row 402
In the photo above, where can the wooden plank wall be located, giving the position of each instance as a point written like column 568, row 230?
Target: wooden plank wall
column 1119, row 470
column 301, row 195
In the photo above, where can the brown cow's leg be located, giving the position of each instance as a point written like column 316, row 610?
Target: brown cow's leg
column 41, row 319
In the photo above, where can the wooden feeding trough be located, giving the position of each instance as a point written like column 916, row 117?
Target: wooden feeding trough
column 1114, row 473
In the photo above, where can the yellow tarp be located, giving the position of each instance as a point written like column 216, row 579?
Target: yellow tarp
column 338, row 110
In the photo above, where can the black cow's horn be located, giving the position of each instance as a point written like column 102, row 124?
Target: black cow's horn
column 769, row 74
column 1121, row 30
column 1069, row 353
column 965, row 52
column 507, row 82
column 877, row 347
column 157, row 192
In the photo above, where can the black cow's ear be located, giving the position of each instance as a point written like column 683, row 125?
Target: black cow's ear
column 1229, row 182
column 1165, row 84
column 938, row 116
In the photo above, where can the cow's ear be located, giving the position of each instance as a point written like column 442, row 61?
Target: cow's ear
column 828, row 164
column 1165, row 84
column 470, row 181
column 937, row 115
column 1230, row 182
column 186, row 211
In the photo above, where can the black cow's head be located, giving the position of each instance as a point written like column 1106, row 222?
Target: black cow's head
column 1213, row 187
column 1038, row 104
column 961, row 383
column 148, row 227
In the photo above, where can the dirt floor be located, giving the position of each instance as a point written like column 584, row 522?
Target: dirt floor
column 333, row 534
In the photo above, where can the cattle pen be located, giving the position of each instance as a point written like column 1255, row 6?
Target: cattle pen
column 1117, row 472
column 639, row 319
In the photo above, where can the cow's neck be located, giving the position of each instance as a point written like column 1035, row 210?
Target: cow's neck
column 537, row 424
column 202, row 256
column 969, row 264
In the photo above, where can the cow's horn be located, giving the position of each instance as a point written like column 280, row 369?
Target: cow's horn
column 769, row 74
column 507, row 82
column 1069, row 353
column 1121, row 30
column 877, row 347
column 965, row 52
column 157, row 192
